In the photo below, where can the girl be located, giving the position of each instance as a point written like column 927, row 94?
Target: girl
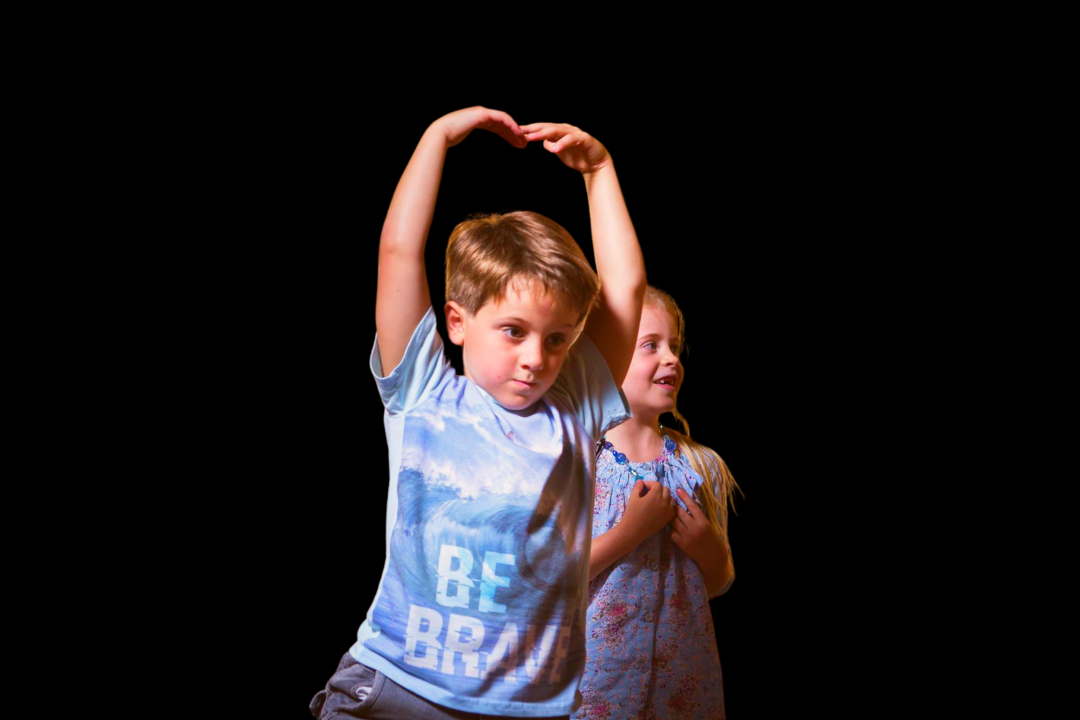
column 651, row 647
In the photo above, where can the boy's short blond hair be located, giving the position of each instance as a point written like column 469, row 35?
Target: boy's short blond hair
column 487, row 253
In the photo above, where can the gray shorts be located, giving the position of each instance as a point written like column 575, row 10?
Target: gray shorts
column 357, row 691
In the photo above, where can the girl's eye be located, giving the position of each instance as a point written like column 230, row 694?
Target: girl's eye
column 650, row 345
column 514, row 333
column 556, row 340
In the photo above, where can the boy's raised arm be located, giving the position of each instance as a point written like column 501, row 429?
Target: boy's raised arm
column 402, row 296
column 613, row 324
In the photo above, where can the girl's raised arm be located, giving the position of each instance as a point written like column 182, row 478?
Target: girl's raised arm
column 402, row 296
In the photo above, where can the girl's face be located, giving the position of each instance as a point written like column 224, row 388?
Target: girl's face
column 655, row 373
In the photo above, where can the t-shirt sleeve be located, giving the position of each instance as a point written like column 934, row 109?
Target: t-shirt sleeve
column 586, row 386
column 418, row 373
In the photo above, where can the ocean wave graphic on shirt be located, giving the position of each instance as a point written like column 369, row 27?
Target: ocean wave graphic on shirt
column 461, row 487
column 540, row 588
column 431, row 516
column 487, row 550
column 486, row 497
column 472, row 456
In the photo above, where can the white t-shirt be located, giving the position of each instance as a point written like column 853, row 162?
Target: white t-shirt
column 488, row 526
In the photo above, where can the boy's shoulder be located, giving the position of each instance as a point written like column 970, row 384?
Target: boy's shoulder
column 422, row 369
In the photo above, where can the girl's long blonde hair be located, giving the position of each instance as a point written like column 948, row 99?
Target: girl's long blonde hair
column 719, row 486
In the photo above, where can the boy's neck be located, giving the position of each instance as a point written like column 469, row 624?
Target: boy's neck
column 523, row 412
column 638, row 439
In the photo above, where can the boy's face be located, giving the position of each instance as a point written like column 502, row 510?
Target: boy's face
column 514, row 347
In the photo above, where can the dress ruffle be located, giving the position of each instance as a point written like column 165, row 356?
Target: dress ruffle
column 672, row 471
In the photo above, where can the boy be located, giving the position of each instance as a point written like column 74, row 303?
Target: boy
column 481, row 601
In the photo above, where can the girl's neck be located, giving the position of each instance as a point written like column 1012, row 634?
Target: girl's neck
column 639, row 439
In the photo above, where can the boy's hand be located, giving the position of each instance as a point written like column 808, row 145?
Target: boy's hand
column 649, row 508
column 576, row 148
column 693, row 532
column 457, row 125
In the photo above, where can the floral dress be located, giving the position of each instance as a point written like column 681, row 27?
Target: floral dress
column 649, row 638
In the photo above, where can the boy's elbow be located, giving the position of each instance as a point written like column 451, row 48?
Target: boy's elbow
column 393, row 249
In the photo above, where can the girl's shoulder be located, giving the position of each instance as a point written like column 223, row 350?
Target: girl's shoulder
column 681, row 468
column 695, row 455
column 607, row 462
column 716, row 479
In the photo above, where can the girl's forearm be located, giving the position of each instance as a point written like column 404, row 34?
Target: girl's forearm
column 609, row 547
column 716, row 568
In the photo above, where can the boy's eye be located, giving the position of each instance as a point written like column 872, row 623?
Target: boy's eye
column 649, row 345
column 557, row 340
column 514, row 332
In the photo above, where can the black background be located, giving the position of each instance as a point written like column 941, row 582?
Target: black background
column 748, row 213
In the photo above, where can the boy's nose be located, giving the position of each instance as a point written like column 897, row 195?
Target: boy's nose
column 532, row 357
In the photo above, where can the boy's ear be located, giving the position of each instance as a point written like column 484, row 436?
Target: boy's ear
column 455, row 322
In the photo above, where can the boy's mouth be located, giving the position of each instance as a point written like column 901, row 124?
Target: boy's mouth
column 666, row 381
column 523, row 384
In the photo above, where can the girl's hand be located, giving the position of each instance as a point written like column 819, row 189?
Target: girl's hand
column 456, row 126
column 577, row 149
column 649, row 508
column 693, row 532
